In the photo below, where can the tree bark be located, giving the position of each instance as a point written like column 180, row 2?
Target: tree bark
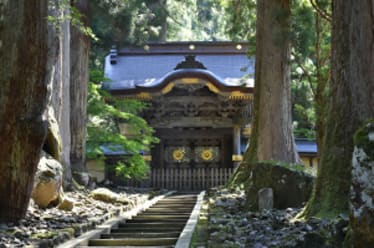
column 272, row 136
column 60, row 98
column 351, row 104
column 322, row 78
column 23, row 100
column 78, row 90
column 272, row 123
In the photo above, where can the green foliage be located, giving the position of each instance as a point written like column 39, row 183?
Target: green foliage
column 241, row 21
column 135, row 22
column 310, row 37
column 119, row 22
column 105, row 116
column 310, row 67
column 302, row 23
column 70, row 13
column 303, row 106
column 194, row 20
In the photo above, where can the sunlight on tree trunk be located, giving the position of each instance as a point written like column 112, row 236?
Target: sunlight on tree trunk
column 80, row 44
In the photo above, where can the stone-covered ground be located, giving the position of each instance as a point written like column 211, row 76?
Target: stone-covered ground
column 51, row 226
column 230, row 226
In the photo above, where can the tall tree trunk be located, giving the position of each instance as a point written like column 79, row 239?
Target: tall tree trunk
column 272, row 136
column 322, row 78
column 351, row 104
column 23, row 100
column 60, row 98
column 78, row 90
column 64, row 116
column 272, row 124
column 164, row 25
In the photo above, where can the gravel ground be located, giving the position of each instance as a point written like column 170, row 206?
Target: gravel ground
column 51, row 226
column 229, row 225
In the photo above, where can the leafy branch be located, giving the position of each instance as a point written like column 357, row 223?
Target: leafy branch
column 105, row 115
column 66, row 12
column 323, row 13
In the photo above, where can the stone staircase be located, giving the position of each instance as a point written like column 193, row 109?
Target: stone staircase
column 158, row 226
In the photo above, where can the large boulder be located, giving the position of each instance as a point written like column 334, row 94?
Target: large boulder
column 362, row 188
column 291, row 186
column 53, row 144
column 48, row 181
column 82, row 177
column 66, row 204
column 106, row 195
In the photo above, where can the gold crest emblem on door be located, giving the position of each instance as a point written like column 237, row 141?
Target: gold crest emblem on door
column 206, row 154
column 178, row 154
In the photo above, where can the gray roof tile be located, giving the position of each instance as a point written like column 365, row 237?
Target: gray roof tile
column 132, row 70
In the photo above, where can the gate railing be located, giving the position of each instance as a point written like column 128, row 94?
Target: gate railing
column 185, row 178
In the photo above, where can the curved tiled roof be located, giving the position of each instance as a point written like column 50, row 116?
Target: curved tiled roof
column 138, row 68
column 159, row 84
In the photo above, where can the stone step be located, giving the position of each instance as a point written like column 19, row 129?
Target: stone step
column 174, row 206
column 187, row 200
column 170, row 210
column 166, row 228
column 143, row 219
column 169, row 221
column 141, row 235
column 177, row 201
column 128, row 246
column 158, row 226
column 163, row 215
column 132, row 241
column 165, row 218
column 178, row 224
column 161, row 212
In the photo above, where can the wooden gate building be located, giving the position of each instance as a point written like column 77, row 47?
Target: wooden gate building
column 200, row 97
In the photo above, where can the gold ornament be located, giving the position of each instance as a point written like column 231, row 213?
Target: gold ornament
column 207, row 154
column 178, row 154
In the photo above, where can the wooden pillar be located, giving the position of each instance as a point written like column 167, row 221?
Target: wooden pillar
column 162, row 153
column 236, row 154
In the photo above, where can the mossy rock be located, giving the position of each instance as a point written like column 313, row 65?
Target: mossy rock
column 364, row 139
column 291, row 187
column 106, row 195
column 44, row 235
column 362, row 188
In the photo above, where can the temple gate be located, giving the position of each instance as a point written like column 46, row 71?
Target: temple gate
column 200, row 107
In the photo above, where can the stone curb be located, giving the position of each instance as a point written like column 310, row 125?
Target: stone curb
column 185, row 237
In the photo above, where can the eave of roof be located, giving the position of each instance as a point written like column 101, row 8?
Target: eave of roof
column 187, row 47
column 306, row 146
column 206, row 75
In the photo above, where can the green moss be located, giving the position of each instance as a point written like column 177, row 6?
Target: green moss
column 290, row 166
column 240, row 175
column 201, row 234
column 361, row 138
column 68, row 230
column 44, row 235
column 348, row 239
column 328, row 207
